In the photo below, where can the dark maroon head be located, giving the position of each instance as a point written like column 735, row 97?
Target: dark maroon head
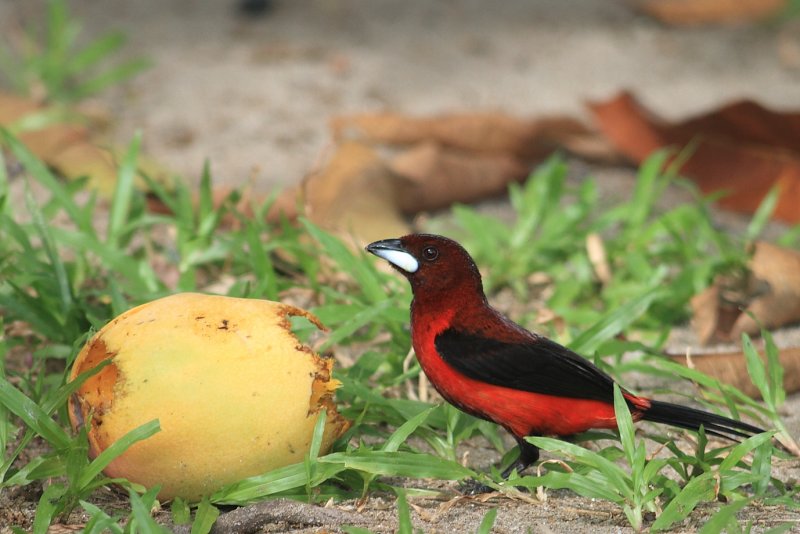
column 434, row 265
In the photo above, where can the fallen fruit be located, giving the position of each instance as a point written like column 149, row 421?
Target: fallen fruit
column 235, row 392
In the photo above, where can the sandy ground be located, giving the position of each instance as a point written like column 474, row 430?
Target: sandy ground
column 254, row 95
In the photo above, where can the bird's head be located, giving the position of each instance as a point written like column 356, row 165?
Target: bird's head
column 434, row 265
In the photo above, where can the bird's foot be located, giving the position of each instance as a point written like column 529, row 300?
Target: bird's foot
column 474, row 487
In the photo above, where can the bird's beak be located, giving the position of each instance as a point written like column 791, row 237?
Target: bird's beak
column 393, row 251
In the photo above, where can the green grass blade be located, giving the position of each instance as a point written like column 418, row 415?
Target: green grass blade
column 123, row 193
column 313, row 452
column 59, row 398
column 48, row 507
column 115, row 449
column 593, row 484
column 400, row 463
column 404, row 525
column 206, row 202
column 616, row 476
column 625, row 424
column 204, row 518
column 181, row 512
column 648, row 188
column 762, row 215
column 356, row 321
column 356, row 266
column 405, row 430
column 259, row 257
column 761, row 467
column 49, row 245
column 774, row 372
column 699, row 489
column 39, row 171
column 33, row 416
column 755, row 367
column 615, row 322
column 139, row 276
column 99, row 522
column 487, row 522
column 112, row 76
column 60, row 36
column 723, row 517
column 95, row 52
column 279, row 480
column 742, row 449
column 319, row 432
column 145, row 524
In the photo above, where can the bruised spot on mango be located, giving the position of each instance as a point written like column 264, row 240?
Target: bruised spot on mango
column 323, row 386
column 95, row 397
column 322, row 390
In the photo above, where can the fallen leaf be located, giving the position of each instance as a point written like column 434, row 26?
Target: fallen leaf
column 354, row 195
column 495, row 133
column 596, row 250
column 464, row 157
column 742, row 148
column 776, row 269
column 731, row 368
column 69, row 147
column 769, row 291
column 436, row 177
column 692, row 12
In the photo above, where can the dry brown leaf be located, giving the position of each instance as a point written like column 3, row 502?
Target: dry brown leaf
column 85, row 159
column 58, row 528
column 742, row 148
column 464, row 157
column 770, row 291
column 436, row 177
column 778, row 269
column 14, row 107
column 70, row 149
column 496, row 133
column 691, row 12
column 596, row 250
column 355, row 195
column 731, row 368
column 708, row 313
column 46, row 142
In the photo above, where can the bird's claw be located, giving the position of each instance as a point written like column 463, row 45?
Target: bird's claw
column 474, row 487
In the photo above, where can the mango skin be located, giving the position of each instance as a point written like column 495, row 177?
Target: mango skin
column 235, row 392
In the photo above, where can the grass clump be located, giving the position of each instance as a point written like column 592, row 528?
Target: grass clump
column 62, row 275
column 50, row 63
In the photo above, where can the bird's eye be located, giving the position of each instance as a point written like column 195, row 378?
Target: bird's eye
column 430, row 253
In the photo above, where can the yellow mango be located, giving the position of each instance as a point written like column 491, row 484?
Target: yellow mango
column 235, row 392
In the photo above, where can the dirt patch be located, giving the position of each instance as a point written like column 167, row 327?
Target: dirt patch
column 254, row 95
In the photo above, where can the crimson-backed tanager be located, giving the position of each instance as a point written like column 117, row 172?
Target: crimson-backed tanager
column 488, row 366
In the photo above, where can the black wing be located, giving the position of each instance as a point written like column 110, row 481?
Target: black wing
column 539, row 366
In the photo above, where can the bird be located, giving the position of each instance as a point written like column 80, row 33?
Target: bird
column 483, row 363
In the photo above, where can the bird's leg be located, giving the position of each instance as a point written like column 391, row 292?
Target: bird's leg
column 528, row 454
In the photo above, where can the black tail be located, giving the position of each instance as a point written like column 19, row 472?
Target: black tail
column 691, row 419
